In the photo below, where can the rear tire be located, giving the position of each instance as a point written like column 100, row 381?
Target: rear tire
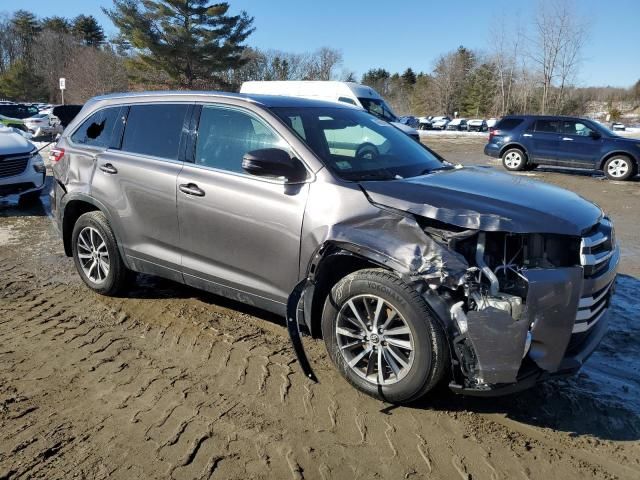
column 413, row 359
column 514, row 160
column 96, row 255
column 620, row 167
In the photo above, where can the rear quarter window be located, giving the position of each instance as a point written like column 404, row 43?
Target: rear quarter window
column 508, row 123
column 547, row 126
column 96, row 131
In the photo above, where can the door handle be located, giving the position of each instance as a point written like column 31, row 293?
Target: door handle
column 567, row 139
column 108, row 168
column 527, row 135
column 191, row 189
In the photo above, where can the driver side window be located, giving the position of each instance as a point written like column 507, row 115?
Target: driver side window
column 225, row 135
column 577, row 128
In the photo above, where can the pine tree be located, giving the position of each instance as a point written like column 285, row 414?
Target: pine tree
column 26, row 27
column 56, row 24
column 88, row 30
column 21, row 82
column 409, row 76
column 192, row 41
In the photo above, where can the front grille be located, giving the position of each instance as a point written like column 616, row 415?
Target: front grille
column 12, row 165
column 591, row 308
column 597, row 248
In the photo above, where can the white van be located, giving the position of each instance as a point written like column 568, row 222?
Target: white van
column 347, row 92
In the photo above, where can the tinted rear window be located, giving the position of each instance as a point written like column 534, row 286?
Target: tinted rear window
column 508, row 123
column 154, row 130
column 547, row 126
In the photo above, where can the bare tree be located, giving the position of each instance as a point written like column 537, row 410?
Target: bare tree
column 507, row 45
column 559, row 35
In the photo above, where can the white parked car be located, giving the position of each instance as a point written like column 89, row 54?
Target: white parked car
column 440, row 123
column 618, row 126
column 352, row 93
column 43, row 124
column 22, row 170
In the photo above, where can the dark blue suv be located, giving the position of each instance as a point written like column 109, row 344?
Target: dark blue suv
column 526, row 141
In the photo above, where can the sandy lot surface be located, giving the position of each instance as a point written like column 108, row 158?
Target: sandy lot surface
column 170, row 382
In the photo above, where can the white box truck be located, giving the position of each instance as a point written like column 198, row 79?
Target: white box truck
column 347, row 92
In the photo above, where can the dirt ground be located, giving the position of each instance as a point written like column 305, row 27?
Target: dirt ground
column 170, row 382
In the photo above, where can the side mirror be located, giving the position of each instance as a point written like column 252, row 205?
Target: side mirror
column 595, row 135
column 273, row 162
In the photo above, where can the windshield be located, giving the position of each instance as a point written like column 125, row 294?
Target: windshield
column 358, row 146
column 603, row 129
column 378, row 108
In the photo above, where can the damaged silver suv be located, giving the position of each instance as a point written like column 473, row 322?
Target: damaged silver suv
column 413, row 270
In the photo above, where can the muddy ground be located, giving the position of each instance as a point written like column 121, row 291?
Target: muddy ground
column 170, row 382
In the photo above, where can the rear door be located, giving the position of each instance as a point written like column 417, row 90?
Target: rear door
column 136, row 180
column 543, row 138
column 578, row 147
column 240, row 234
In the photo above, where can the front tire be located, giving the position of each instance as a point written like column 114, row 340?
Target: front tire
column 514, row 160
column 382, row 337
column 619, row 167
column 96, row 255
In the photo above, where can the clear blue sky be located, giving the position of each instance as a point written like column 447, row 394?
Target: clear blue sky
column 398, row 34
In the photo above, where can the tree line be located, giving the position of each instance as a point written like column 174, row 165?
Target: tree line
column 197, row 44
column 530, row 67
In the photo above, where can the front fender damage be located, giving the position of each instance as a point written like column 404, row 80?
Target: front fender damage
column 491, row 327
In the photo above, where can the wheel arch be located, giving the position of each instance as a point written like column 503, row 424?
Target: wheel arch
column 511, row 145
column 625, row 153
column 75, row 207
column 331, row 263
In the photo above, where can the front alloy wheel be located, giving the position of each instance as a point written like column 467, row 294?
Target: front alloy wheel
column 374, row 340
column 382, row 337
column 619, row 168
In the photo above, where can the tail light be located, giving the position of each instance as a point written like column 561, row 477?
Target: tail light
column 56, row 154
column 493, row 132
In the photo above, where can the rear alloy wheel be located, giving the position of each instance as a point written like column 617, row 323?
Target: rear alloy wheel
column 96, row 255
column 619, row 168
column 382, row 338
column 514, row 160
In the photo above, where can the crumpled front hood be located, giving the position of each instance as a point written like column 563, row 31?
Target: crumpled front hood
column 483, row 199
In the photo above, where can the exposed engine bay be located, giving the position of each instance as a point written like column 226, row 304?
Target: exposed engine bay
column 489, row 311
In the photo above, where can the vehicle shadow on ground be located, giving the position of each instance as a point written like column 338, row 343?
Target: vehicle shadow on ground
column 151, row 287
column 605, row 405
column 577, row 172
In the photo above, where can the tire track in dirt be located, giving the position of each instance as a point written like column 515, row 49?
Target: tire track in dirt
column 202, row 391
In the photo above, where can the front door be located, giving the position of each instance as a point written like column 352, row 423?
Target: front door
column 240, row 234
column 578, row 146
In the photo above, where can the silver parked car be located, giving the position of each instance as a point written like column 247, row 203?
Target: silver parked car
column 413, row 270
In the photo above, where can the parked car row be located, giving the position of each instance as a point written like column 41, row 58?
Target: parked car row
column 445, row 122
column 37, row 119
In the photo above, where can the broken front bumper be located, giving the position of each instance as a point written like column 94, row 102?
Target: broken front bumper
column 567, row 311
